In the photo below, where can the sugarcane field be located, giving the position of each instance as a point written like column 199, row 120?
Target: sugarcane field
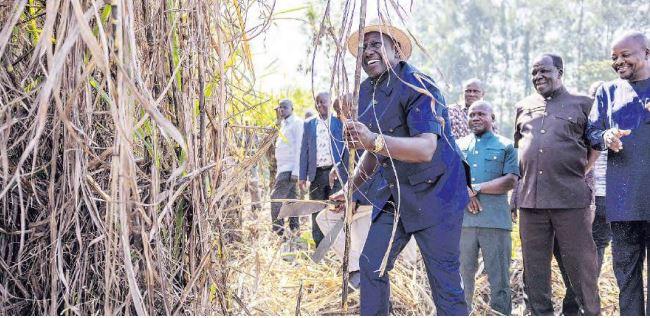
column 324, row 158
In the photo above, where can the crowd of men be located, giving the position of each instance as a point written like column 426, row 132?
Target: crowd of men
column 439, row 176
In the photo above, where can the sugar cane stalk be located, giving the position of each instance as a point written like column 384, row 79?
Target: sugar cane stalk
column 351, row 165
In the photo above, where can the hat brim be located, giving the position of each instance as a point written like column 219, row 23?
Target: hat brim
column 404, row 42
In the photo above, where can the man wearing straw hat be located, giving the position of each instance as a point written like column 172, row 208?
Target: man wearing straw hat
column 403, row 126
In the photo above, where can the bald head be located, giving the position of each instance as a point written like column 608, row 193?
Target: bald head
column 630, row 55
column 323, row 102
column 633, row 37
column 481, row 117
column 472, row 91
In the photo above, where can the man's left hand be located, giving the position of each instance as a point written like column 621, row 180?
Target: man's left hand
column 474, row 205
column 358, row 136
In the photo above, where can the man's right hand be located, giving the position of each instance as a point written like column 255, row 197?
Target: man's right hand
column 339, row 197
column 613, row 136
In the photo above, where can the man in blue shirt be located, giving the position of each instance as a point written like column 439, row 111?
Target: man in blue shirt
column 321, row 149
column 404, row 128
column 620, row 121
column 487, row 224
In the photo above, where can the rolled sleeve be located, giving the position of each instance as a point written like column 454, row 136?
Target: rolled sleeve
column 598, row 121
column 420, row 117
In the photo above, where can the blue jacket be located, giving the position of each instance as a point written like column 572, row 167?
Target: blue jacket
column 308, row 147
column 627, row 106
column 426, row 193
column 373, row 192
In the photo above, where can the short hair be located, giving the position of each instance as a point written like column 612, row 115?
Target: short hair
column 557, row 60
column 483, row 103
column 474, row 80
column 324, row 94
column 636, row 36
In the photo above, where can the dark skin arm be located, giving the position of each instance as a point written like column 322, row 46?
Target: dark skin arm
column 500, row 185
column 591, row 160
column 366, row 168
column 415, row 149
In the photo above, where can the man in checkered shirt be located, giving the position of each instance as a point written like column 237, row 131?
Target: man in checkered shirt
column 472, row 91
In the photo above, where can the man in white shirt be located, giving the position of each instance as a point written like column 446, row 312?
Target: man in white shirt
column 287, row 154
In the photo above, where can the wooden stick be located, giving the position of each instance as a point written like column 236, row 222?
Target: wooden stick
column 351, row 166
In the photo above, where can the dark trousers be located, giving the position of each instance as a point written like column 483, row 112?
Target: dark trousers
column 319, row 189
column 602, row 233
column 496, row 247
column 284, row 188
column 629, row 250
column 572, row 228
column 440, row 250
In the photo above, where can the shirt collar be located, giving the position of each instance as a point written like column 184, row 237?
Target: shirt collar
column 486, row 135
column 384, row 82
column 557, row 93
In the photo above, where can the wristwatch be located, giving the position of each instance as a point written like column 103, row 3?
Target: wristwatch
column 476, row 187
column 379, row 143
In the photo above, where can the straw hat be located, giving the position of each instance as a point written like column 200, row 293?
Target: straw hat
column 404, row 46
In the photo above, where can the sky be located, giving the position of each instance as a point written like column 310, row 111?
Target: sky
column 282, row 50
column 279, row 52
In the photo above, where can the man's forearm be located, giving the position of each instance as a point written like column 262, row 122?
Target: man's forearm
column 499, row 185
column 591, row 160
column 366, row 168
column 415, row 149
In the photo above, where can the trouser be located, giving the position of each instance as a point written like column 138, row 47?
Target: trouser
column 496, row 247
column 358, row 233
column 319, row 189
column 629, row 250
column 439, row 246
column 572, row 228
column 284, row 188
column 602, row 234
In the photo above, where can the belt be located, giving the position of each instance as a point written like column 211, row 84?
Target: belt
column 324, row 168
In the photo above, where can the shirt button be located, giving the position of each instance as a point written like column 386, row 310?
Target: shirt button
column 369, row 125
column 543, row 131
column 390, row 185
column 384, row 164
column 473, row 179
column 429, row 181
column 541, row 150
column 476, row 152
column 478, row 139
column 391, row 130
column 540, row 172
column 474, row 165
column 495, row 157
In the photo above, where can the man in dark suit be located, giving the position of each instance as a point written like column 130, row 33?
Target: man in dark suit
column 322, row 145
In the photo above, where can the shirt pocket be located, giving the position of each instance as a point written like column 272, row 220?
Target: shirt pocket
column 574, row 122
column 393, row 125
column 494, row 159
column 426, row 179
